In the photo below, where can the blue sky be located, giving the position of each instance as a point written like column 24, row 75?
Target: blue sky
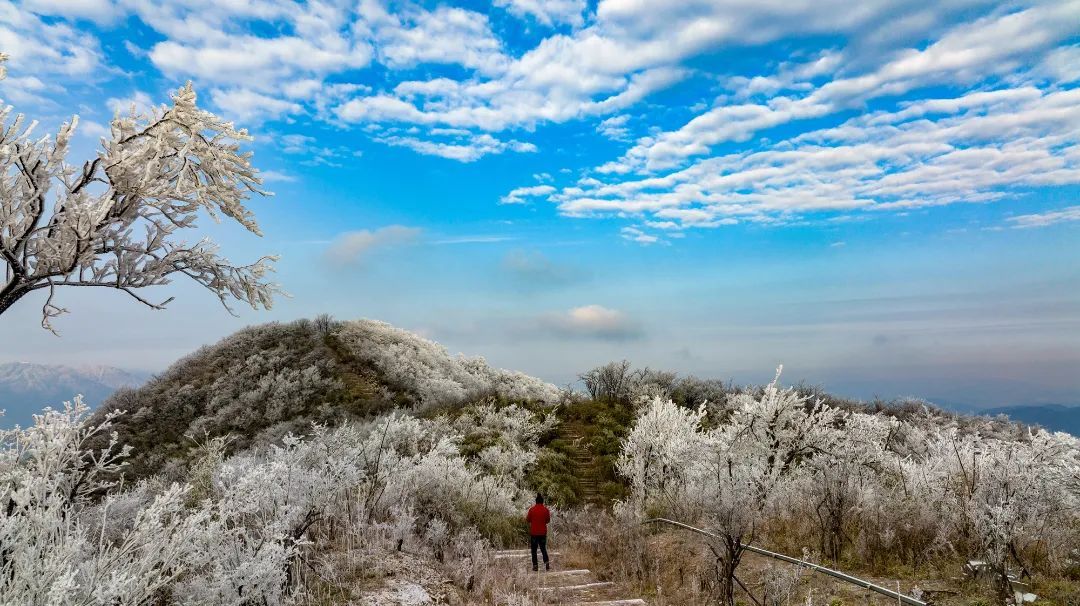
column 881, row 196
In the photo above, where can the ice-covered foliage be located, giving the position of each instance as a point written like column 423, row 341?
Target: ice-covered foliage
column 266, row 381
column 117, row 220
column 242, row 529
column 502, row 439
column 428, row 370
column 53, row 544
column 661, row 453
column 917, row 487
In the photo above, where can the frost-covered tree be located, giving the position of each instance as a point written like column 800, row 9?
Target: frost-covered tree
column 841, row 484
column 660, row 453
column 732, row 476
column 55, row 547
column 116, row 220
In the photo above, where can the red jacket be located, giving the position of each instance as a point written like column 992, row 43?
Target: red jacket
column 538, row 518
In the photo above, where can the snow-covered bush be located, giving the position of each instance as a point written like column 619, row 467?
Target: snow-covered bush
column 731, row 477
column 915, row 487
column 49, row 550
column 503, row 440
column 244, row 528
column 426, row 369
column 661, row 454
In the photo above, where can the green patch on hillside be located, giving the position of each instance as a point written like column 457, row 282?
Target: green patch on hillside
column 577, row 464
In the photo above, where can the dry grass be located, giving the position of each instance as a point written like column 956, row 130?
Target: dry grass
column 675, row 568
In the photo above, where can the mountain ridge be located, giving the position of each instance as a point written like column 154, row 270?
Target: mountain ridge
column 26, row 387
column 1054, row 417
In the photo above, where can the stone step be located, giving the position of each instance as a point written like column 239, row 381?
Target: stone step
column 578, row 575
column 521, row 553
column 573, row 572
column 594, row 586
column 556, row 578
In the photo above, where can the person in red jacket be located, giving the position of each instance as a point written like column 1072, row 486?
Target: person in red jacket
column 538, row 518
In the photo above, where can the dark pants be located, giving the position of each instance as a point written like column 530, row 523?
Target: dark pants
column 541, row 542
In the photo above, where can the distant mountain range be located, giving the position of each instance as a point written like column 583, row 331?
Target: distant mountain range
column 27, row 388
column 1054, row 417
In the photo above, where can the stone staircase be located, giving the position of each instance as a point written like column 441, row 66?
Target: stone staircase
column 561, row 586
column 583, row 461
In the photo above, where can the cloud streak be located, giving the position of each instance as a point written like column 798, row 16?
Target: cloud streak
column 1046, row 219
column 533, row 269
column 592, row 322
column 354, row 247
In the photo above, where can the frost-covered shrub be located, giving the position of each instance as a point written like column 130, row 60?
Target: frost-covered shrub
column 427, row 370
column 502, row 440
column 55, row 548
column 244, row 528
column 660, row 455
column 911, row 486
column 732, row 477
column 256, row 385
column 264, row 382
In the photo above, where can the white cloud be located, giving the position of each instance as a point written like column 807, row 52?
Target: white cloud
column 970, row 148
column 968, row 53
column 547, row 12
column 263, row 64
column 463, row 148
column 23, row 89
column 138, row 102
column 1061, row 65
column 443, row 36
column 270, row 176
column 101, row 11
column 521, row 195
column 593, row 322
column 249, row 106
column 623, row 56
column 92, row 130
column 635, row 234
column 40, row 49
column 296, row 143
column 614, row 128
column 312, row 154
column 1045, row 219
column 273, row 59
column 352, row 247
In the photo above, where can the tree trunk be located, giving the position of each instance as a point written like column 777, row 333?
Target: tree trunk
column 727, row 560
column 1004, row 587
column 12, row 293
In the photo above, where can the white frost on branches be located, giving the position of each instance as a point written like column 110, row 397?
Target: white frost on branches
column 115, row 220
column 241, row 529
column 427, row 369
column 922, row 486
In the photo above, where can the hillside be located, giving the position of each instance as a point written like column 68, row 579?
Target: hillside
column 27, row 388
column 1054, row 417
column 266, row 381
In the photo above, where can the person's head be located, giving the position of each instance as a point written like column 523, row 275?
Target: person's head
column 539, row 499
